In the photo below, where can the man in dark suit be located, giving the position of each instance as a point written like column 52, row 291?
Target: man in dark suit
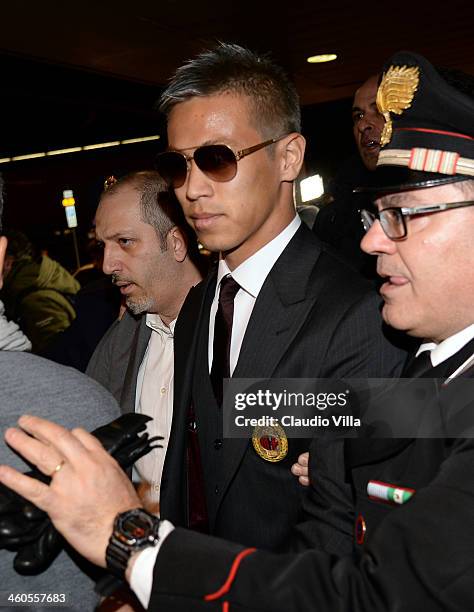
column 394, row 518
column 403, row 509
column 234, row 151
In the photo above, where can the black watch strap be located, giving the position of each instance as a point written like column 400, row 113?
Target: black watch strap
column 124, row 542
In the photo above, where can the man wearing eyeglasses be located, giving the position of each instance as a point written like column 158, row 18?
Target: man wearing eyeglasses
column 412, row 536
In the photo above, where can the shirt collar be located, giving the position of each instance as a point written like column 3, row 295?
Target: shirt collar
column 252, row 272
column 449, row 347
column 155, row 323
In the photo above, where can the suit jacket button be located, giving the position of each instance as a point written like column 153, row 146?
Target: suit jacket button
column 217, row 490
column 217, row 443
column 360, row 529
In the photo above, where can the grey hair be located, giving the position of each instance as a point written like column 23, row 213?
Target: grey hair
column 231, row 68
column 156, row 208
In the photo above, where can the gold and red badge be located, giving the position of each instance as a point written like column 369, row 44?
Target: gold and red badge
column 270, row 442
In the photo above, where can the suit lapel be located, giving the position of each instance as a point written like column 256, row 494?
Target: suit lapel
column 137, row 352
column 281, row 309
column 448, row 367
column 192, row 316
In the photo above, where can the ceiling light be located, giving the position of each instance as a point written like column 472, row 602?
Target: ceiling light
column 321, row 59
column 29, row 156
column 134, row 140
column 100, row 145
column 64, row 151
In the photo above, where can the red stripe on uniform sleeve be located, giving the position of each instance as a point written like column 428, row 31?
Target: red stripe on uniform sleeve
column 230, row 578
column 442, row 132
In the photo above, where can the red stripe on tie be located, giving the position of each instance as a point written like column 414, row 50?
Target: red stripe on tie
column 442, row 132
column 225, row 606
column 412, row 156
column 231, row 577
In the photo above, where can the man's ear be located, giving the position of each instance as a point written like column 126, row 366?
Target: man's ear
column 3, row 250
column 177, row 243
column 293, row 156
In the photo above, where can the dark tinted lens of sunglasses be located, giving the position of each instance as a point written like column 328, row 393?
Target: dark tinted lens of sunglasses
column 217, row 161
column 173, row 168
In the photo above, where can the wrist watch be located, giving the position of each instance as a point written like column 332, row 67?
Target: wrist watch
column 133, row 530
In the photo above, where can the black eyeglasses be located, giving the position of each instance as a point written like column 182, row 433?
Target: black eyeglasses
column 393, row 220
column 217, row 161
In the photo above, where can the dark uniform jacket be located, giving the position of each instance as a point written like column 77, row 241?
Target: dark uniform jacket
column 410, row 557
column 313, row 318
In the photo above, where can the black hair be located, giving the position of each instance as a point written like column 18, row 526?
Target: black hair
column 231, row 68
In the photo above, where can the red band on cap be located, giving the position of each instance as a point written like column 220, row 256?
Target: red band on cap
column 442, row 132
column 230, row 578
column 441, row 159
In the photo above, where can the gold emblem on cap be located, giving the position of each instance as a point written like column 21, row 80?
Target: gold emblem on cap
column 395, row 94
column 273, row 437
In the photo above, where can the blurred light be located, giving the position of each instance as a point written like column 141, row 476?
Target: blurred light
column 311, row 188
column 144, row 139
column 68, row 198
column 71, row 217
column 99, row 145
column 29, row 156
column 321, row 59
column 64, row 151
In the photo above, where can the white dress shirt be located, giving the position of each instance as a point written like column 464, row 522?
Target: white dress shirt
column 251, row 274
column 449, row 347
column 154, row 397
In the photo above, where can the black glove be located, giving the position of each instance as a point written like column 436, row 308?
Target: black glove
column 26, row 529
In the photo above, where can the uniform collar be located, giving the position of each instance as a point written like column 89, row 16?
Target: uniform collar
column 449, row 347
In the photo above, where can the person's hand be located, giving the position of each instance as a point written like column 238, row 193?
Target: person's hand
column 88, row 488
column 301, row 470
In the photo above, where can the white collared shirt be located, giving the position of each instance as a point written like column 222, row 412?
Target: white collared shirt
column 154, row 397
column 448, row 347
column 251, row 274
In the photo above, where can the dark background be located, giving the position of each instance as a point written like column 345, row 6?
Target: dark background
column 82, row 73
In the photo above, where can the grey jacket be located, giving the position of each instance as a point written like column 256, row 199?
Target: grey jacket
column 30, row 384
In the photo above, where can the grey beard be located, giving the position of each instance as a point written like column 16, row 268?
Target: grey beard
column 140, row 305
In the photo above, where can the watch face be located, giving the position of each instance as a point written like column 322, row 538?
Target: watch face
column 132, row 529
column 136, row 527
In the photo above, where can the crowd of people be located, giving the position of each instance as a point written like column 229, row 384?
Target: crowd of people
column 270, row 522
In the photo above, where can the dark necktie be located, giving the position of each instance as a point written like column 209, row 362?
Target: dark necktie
column 418, row 366
column 222, row 335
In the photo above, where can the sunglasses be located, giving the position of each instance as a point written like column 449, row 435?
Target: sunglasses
column 217, row 161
